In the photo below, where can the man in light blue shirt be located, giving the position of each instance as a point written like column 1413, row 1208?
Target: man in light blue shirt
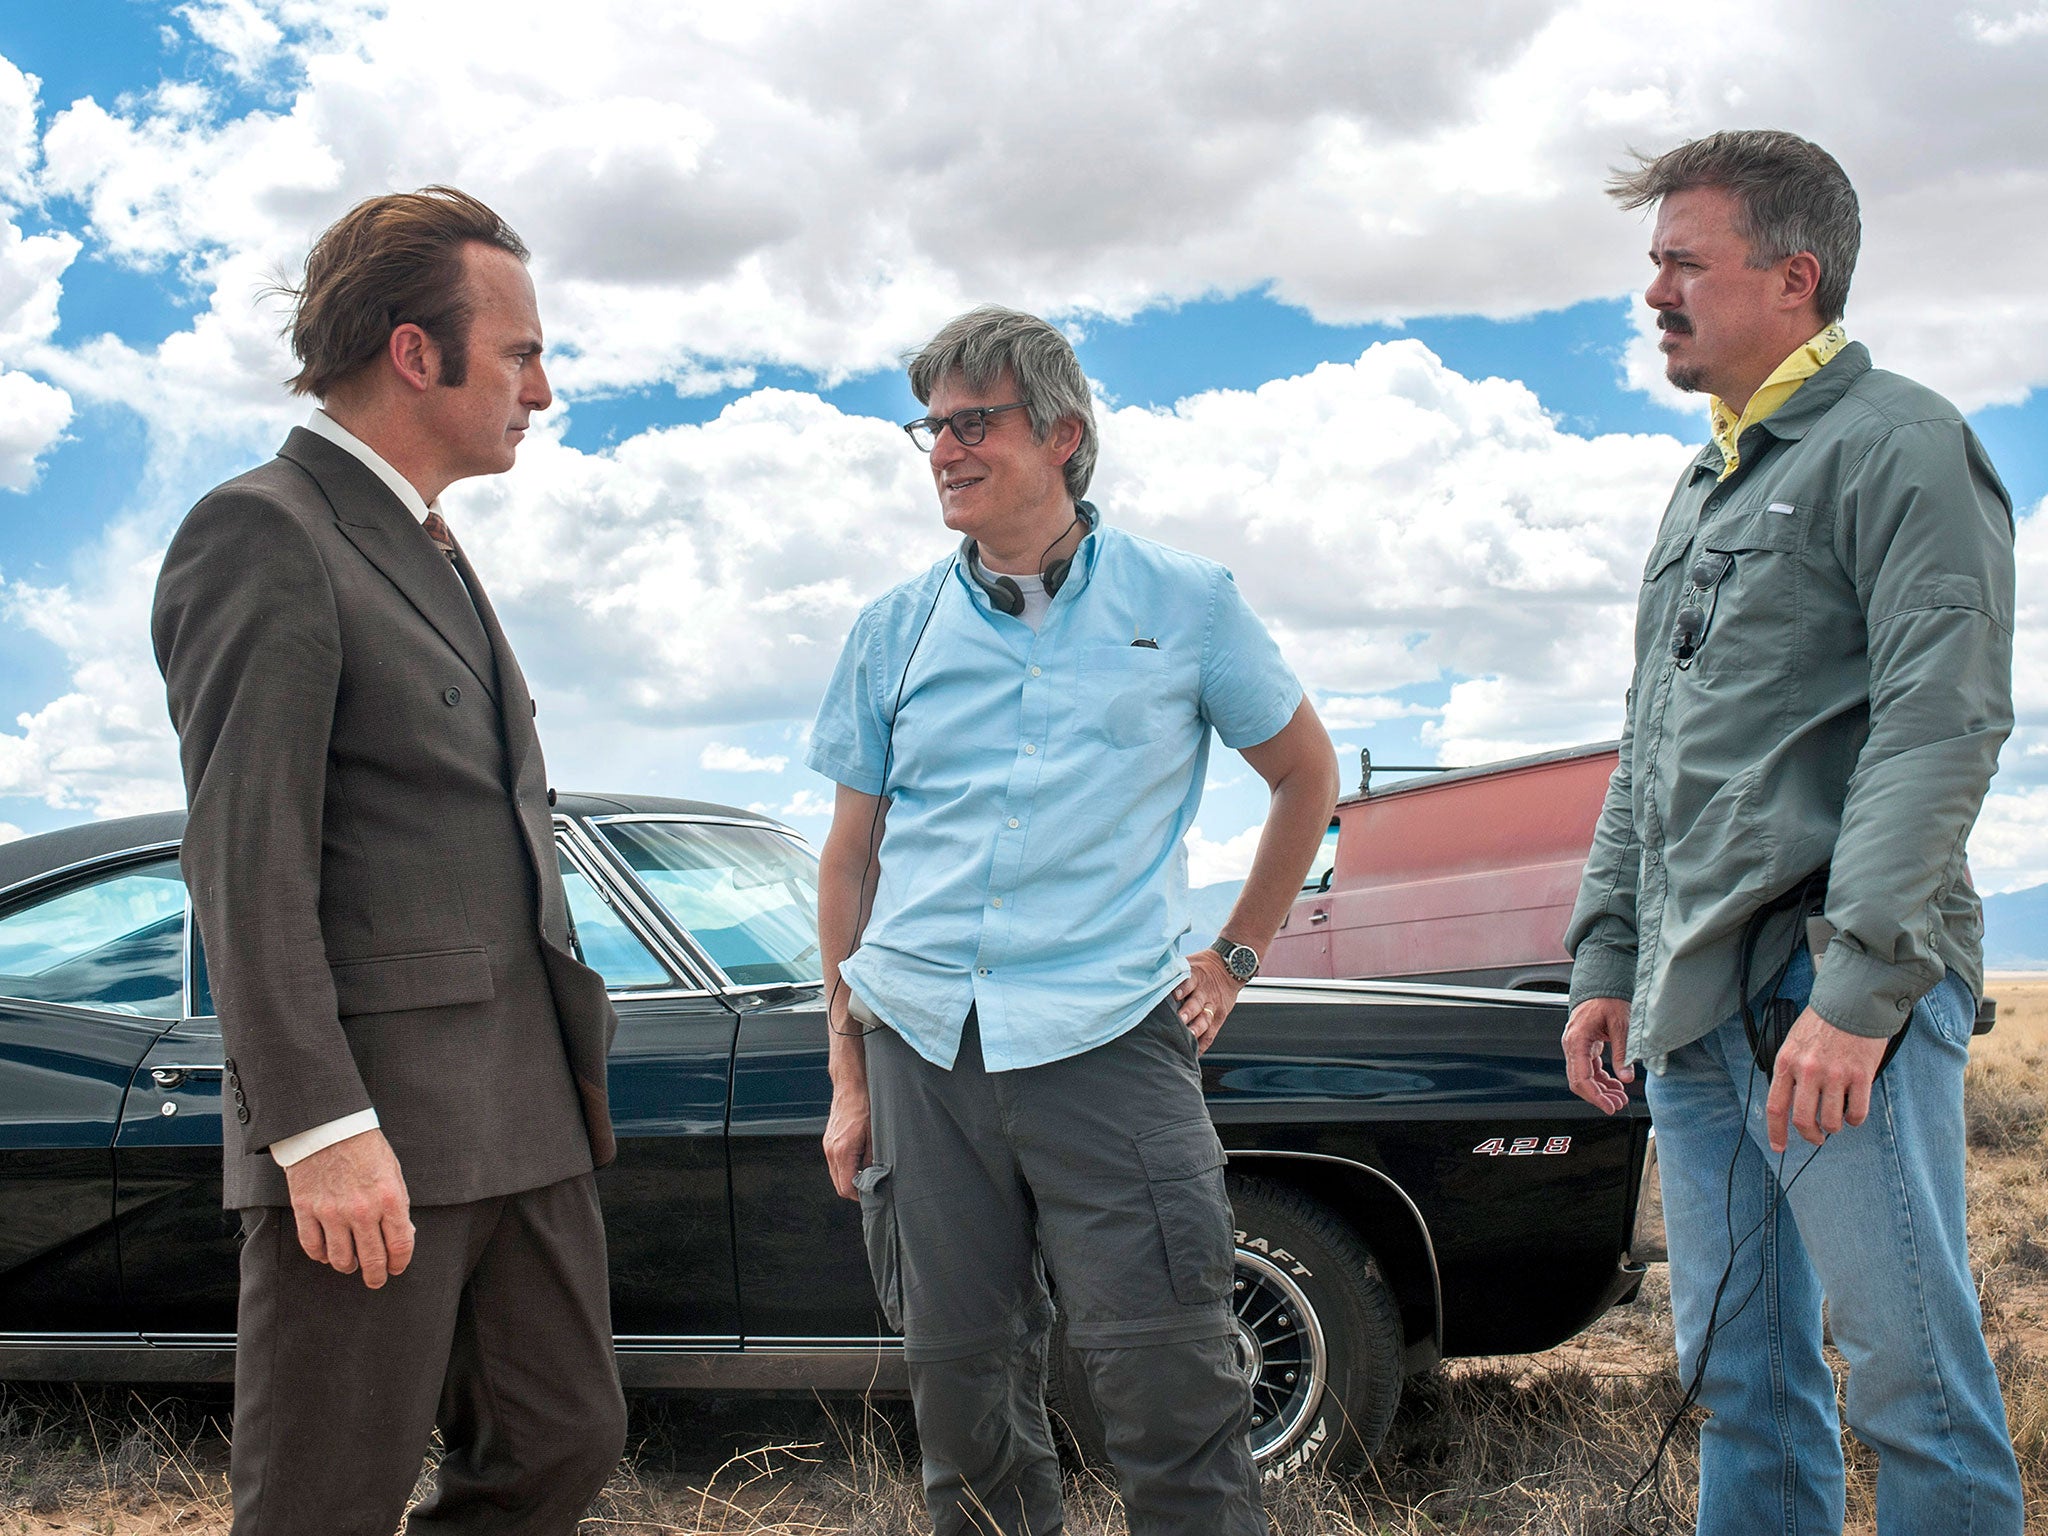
column 1020, row 736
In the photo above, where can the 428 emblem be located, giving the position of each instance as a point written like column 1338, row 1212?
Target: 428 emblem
column 1523, row 1146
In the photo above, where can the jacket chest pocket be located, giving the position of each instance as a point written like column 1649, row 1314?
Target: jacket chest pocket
column 1663, row 579
column 1128, row 698
column 1756, row 607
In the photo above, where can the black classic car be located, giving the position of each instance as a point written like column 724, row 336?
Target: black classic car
column 1410, row 1176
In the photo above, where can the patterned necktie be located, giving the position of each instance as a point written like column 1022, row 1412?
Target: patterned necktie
column 437, row 530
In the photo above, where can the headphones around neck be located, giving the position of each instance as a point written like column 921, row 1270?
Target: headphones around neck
column 1004, row 595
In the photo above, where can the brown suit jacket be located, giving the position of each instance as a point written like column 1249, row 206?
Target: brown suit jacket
column 369, row 847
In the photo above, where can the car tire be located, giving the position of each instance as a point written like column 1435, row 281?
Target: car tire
column 1315, row 1321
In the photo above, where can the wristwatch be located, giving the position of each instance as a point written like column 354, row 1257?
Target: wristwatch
column 1241, row 960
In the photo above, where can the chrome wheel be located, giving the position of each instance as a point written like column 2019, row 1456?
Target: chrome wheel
column 1280, row 1350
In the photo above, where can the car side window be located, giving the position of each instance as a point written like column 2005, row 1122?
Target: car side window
column 603, row 941
column 115, row 942
column 1325, row 865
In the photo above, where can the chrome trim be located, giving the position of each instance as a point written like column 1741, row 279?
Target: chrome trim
column 776, row 986
column 1436, row 1284
column 1265, row 988
column 706, row 1363
column 682, row 959
column 116, row 1357
column 187, row 997
column 723, row 821
column 1646, row 1240
column 837, row 1371
column 566, row 842
column 119, row 856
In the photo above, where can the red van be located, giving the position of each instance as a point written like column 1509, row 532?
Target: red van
column 1465, row 877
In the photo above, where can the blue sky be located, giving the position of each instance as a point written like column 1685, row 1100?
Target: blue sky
column 1362, row 325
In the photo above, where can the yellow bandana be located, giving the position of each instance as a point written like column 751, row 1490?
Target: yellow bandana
column 1802, row 365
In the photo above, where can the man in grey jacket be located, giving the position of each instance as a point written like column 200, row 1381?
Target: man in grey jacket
column 415, row 1071
column 1823, row 679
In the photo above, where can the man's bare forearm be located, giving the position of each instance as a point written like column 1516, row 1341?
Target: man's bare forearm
column 848, row 869
column 1300, row 766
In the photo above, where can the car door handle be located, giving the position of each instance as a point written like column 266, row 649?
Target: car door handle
column 171, row 1077
column 1319, row 917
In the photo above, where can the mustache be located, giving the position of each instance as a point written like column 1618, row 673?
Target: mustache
column 1670, row 321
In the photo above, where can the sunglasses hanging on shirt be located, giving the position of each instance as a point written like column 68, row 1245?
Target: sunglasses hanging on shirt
column 1696, row 605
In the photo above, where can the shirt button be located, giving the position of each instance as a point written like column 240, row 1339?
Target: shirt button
column 997, row 902
column 1034, row 671
column 1013, row 821
column 1029, row 750
column 983, row 971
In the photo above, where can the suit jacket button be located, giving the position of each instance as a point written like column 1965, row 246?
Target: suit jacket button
column 242, row 1113
column 229, row 1064
column 551, row 797
column 451, row 697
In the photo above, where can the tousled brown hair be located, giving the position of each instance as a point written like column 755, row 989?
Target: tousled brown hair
column 1790, row 196
column 390, row 261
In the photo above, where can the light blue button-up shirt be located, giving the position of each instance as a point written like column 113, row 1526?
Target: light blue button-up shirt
column 1039, row 787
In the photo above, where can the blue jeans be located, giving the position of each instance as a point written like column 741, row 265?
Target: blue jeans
column 1874, row 1222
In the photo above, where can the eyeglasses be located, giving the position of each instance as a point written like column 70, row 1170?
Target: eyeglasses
column 969, row 426
column 1696, row 605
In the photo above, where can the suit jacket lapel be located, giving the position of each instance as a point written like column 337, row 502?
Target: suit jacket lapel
column 524, row 770
column 391, row 539
column 515, row 704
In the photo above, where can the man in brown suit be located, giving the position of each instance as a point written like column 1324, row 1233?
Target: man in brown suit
column 415, row 1069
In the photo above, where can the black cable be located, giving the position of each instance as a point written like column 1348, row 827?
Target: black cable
column 1650, row 1478
column 1763, row 1045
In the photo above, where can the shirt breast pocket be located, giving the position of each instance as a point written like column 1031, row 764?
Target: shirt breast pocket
column 1662, row 578
column 1126, row 695
column 1756, row 605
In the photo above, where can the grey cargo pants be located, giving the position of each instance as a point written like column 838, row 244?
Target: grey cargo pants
column 1103, row 1169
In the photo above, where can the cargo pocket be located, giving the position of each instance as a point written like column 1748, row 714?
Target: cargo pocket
column 1184, row 1168
column 878, row 1227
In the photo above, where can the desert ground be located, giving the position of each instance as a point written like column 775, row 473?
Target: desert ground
column 1547, row 1443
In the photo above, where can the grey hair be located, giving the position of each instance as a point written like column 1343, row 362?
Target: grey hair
column 1790, row 196
column 980, row 344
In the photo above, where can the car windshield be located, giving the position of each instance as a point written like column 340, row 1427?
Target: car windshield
column 747, row 895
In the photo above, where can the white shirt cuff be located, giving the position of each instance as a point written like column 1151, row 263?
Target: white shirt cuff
column 287, row 1150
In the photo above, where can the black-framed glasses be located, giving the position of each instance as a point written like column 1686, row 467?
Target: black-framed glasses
column 969, row 426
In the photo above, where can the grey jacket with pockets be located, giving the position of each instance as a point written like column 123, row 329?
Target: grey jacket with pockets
column 1852, row 687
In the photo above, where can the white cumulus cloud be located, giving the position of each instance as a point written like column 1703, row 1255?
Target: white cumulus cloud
column 1211, row 862
column 33, row 416
column 722, row 757
column 815, row 186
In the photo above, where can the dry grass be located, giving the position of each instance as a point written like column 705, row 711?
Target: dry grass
column 1532, row 1445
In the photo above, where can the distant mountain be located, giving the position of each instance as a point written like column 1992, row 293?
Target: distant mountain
column 2016, row 930
column 1208, row 905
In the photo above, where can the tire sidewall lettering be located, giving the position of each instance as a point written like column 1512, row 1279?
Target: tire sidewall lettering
column 1280, row 1256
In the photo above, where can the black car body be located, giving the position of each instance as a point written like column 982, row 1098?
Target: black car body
column 1417, row 1141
